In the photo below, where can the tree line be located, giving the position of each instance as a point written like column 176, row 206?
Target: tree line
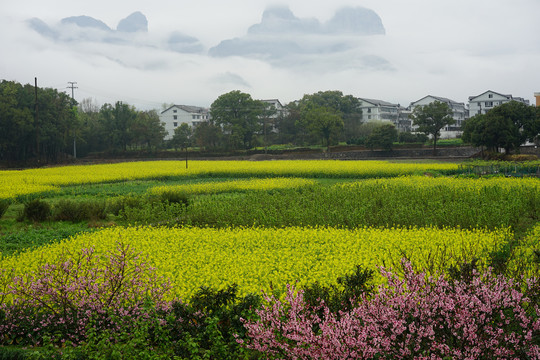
column 330, row 117
column 324, row 118
column 506, row 126
column 43, row 125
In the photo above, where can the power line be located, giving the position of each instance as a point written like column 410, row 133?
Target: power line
column 116, row 97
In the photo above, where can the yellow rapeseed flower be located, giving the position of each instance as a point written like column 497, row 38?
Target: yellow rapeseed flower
column 257, row 258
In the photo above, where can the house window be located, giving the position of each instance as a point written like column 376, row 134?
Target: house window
column 490, row 96
column 175, row 117
column 174, row 111
column 369, row 110
column 193, row 117
column 175, row 124
column 369, row 117
column 489, row 104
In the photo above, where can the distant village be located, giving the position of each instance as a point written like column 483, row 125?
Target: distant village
column 372, row 110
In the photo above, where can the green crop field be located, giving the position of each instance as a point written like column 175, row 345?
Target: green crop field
column 259, row 226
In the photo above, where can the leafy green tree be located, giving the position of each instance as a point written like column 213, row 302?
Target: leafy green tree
column 182, row 136
column 382, row 137
column 93, row 133
column 118, row 120
column 18, row 136
column 57, row 123
column 517, row 122
column 347, row 107
column 506, row 126
column 323, row 122
column 474, row 131
column 431, row 118
column 147, row 129
column 208, row 135
column 287, row 126
column 22, row 138
column 239, row 115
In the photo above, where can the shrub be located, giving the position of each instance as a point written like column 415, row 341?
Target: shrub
column 174, row 197
column 4, row 205
column 14, row 353
column 344, row 296
column 78, row 292
column 156, row 213
column 416, row 317
column 36, row 210
column 95, row 209
column 68, row 210
column 116, row 206
column 382, row 137
column 407, row 137
column 76, row 211
column 211, row 321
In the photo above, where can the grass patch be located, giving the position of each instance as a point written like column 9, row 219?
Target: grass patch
column 35, row 236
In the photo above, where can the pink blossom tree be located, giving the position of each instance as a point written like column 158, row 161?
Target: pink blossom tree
column 416, row 317
column 63, row 299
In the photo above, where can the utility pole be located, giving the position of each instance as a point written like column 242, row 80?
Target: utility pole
column 37, row 118
column 73, row 87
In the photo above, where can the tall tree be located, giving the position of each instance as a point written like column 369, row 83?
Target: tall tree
column 208, row 135
column 323, row 122
column 345, row 106
column 286, row 125
column 431, row 118
column 239, row 115
column 57, row 124
column 94, row 134
column 21, row 138
column 506, row 126
column 147, row 130
column 18, row 135
column 474, row 131
column 182, row 136
column 118, row 120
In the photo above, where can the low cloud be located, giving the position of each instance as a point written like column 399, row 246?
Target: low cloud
column 418, row 51
column 131, row 31
column 230, row 79
column 283, row 39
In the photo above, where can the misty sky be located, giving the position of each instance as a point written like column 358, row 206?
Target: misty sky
column 195, row 51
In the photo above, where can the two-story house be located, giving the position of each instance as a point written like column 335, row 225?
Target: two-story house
column 480, row 104
column 178, row 114
column 378, row 110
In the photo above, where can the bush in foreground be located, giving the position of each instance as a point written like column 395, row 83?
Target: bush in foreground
column 36, row 210
column 80, row 292
column 417, row 317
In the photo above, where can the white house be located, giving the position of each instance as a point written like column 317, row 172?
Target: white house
column 460, row 113
column 373, row 110
column 480, row 104
column 276, row 104
column 178, row 114
column 280, row 110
